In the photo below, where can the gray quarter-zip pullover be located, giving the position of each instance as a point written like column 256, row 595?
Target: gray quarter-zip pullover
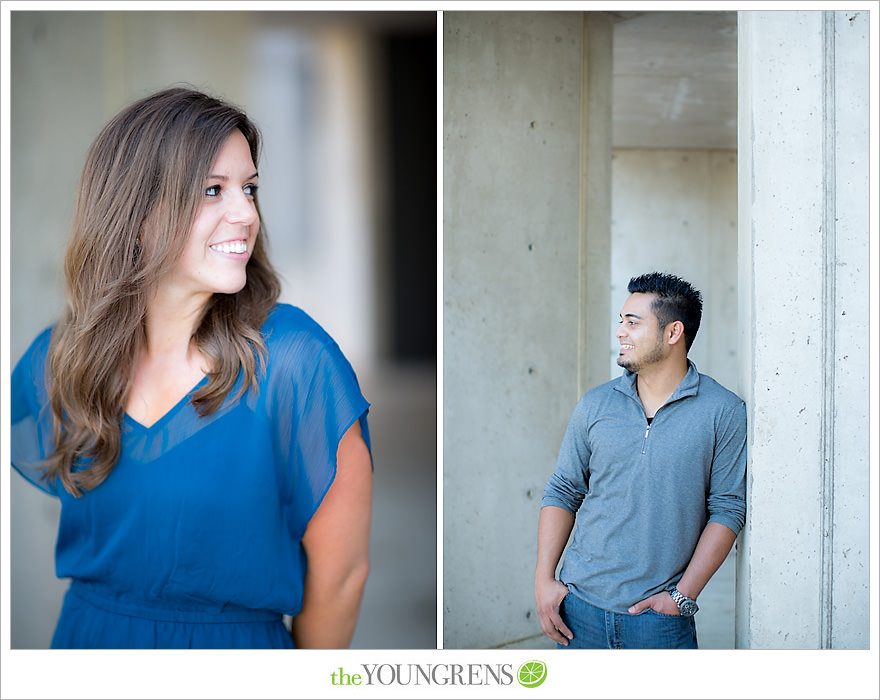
column 644, row 493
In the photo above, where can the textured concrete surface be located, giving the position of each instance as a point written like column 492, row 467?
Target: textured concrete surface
column 804, row 109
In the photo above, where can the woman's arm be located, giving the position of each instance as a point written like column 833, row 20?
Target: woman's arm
column 336, row 542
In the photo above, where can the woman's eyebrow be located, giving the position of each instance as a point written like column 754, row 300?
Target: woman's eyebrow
column 224, row 178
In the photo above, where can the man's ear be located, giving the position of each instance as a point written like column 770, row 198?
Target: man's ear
column 674, row 332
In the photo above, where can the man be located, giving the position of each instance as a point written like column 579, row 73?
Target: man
column 653, row 464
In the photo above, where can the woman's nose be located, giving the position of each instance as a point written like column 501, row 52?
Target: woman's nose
column 242, row 210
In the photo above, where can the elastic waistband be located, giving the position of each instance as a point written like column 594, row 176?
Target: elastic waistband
column 229, row 613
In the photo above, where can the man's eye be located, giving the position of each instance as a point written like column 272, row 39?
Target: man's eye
column 212, row 191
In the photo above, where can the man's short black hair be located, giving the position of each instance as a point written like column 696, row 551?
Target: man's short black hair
column 676, row 300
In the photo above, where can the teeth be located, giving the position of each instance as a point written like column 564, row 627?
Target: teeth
column 626, row 347
column 230, row 247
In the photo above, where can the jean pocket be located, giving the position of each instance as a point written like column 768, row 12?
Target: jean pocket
column 651, row 611
column 568, row 590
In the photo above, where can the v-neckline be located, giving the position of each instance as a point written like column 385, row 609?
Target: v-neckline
column 168, row 415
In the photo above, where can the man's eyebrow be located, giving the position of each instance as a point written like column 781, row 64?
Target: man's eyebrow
column 224, row 178
column 632, row 316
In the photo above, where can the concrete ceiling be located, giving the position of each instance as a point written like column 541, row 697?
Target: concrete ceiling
column 674, row 80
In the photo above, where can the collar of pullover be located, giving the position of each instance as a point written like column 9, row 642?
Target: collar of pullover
column 688, row 386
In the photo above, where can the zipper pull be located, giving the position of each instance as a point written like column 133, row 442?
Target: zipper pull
column 645, row 443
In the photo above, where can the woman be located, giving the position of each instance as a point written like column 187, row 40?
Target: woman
column 209, row 446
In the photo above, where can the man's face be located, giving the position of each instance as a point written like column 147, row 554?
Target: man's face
column 640, row 337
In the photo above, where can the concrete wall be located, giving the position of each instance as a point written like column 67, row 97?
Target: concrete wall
column 675, row 211
column 804, row 220
column 784, row 270
column 514, row 178
column 528, row 314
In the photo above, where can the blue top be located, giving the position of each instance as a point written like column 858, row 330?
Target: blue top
column 644, row 493
column 200, row 521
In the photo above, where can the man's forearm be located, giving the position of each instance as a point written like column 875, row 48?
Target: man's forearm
column 554, row 528
column 712, row 549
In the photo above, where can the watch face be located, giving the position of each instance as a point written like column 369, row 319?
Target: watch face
column 688, row 608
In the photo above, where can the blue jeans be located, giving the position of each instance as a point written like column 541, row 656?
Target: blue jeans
column 594, row 628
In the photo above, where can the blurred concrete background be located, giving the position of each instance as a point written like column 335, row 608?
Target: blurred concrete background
column 347, row 105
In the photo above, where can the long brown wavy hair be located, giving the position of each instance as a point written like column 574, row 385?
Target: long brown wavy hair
column 150, row 163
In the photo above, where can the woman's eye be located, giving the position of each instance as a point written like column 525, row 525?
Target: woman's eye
column 250, row 190
column 212, row 191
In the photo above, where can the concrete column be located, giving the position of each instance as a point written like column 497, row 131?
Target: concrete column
column 595, row 199
column 803, row 259
column 523, row 191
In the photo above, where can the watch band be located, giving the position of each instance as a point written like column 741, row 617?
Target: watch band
column 686, row 606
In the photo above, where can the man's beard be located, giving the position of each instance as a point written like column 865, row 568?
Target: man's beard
column 653, row 356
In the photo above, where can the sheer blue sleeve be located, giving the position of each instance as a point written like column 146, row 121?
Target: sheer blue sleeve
column 31, row 431
column 321, row 401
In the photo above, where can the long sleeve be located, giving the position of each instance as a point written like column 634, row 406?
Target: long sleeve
column 727, row 486
column 569, row 483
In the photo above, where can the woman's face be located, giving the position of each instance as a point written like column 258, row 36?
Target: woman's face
column 224, row 232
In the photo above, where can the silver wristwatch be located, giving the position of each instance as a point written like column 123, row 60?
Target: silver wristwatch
column 686, row 606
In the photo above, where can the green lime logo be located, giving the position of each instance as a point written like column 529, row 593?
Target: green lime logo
column 531, row 674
